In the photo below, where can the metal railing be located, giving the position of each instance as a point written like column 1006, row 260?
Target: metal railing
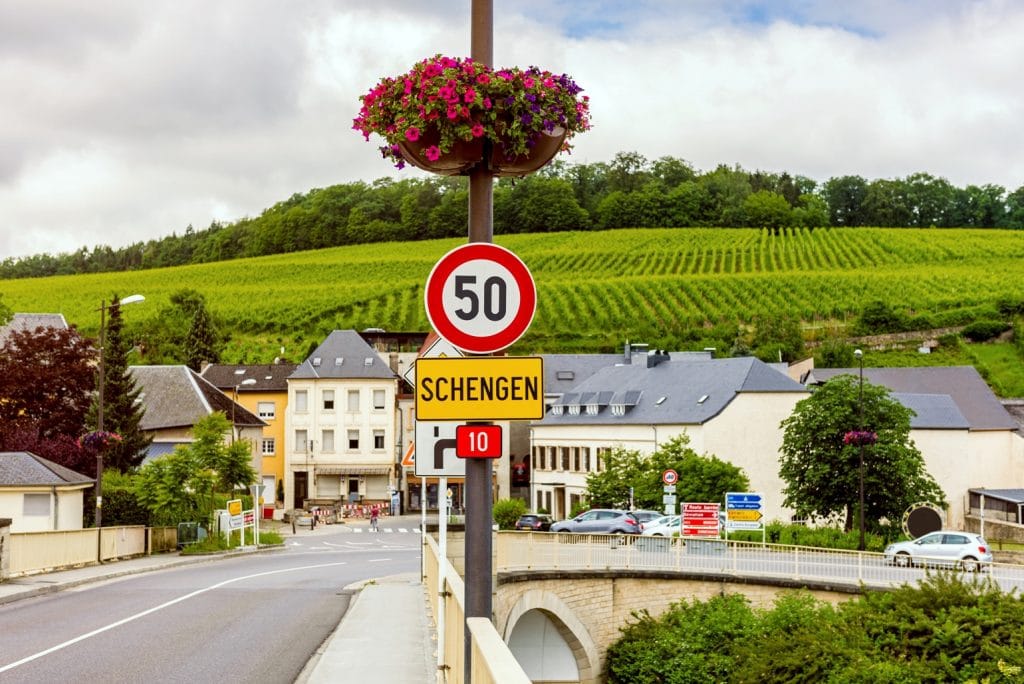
column 569, row 551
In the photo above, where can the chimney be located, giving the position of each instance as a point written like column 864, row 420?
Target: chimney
column 637, row 354
column 393, row 362
column 656, row 356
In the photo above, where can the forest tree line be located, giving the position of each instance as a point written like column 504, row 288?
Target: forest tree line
column 628, row 192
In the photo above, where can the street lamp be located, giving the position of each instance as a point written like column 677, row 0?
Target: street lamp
column 860, row 448
column 104, row 306
column 244, row 383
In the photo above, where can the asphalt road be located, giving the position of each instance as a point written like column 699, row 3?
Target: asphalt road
column 257, row 618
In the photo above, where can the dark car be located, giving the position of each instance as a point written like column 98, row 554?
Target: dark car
column 537, row 522
column 600, row 521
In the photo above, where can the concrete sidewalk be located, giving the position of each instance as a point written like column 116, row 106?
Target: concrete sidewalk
column 386, row 635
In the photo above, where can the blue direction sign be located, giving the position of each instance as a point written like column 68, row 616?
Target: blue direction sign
column 745, row 497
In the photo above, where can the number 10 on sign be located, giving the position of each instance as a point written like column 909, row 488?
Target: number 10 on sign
column 478, row 441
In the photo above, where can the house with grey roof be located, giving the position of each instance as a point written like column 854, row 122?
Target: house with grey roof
column 967, row 437
column 39, row 495
column 730, row 408
column 31, row 321
column 174, row 398
column 342, row 441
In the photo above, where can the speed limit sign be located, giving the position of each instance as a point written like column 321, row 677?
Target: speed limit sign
column 480, row 297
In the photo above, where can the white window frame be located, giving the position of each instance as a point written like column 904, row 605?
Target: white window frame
column 378, row 437
column 268, row 446
column 382, row 396
column 301, row 401
column 353, row 397
column 327, row 441
column 328, row 399
column 353, row 435
column 264, row 412
column 301, row 441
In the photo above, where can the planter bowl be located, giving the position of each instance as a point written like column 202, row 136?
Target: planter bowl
column 542, row 152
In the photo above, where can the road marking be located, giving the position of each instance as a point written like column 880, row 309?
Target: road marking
column 378, row 560
column 168, row 604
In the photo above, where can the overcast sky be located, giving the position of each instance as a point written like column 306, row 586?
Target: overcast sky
column 124, row 120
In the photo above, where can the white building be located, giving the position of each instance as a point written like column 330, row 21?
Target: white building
column 39, row 495
column 341, row 426
column 729, row 408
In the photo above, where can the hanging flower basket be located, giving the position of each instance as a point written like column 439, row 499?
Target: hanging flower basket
column 450, row 115
column 860, row 438
column 100, row 439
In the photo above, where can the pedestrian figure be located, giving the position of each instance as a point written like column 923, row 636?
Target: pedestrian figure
column 373, row 519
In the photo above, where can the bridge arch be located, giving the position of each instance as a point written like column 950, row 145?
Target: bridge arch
column 540, row 608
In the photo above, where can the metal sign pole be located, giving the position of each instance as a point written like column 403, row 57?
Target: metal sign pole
column 478, row 471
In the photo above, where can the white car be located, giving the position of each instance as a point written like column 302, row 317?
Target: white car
column 665, row 526
column 945, row 548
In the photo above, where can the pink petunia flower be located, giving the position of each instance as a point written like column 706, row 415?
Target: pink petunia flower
column 432, row 153
column 478, row 130
column 412, row 134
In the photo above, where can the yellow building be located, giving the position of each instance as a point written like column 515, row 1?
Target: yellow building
column 263, row 390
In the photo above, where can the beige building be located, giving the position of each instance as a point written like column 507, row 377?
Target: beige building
column 341, row 432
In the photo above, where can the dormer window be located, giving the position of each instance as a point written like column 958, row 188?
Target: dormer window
column 618, row 409
column 592, row 409
column 339, row 360
column 316, row 361
column 574, row 409
column 368, row 361
column 556, row 410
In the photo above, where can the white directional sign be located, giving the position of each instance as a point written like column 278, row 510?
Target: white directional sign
column 743, row 511
column 435, row 450
column 480, row 297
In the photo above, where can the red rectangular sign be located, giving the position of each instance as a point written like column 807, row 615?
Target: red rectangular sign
column 700, row 519
column 478, row 441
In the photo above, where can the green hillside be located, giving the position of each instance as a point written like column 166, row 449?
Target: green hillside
column 671, row 288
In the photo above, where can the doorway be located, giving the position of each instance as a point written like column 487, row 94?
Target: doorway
column 301, row 490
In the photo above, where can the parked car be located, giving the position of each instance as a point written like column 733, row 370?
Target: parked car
column 948, row 548
column 536, row 522
column 656, row 521
column 600, row 521
column 665, row 526
column 644, row 517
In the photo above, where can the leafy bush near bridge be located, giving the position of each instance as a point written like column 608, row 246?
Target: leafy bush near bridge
column 946, row 629
column 507, row 511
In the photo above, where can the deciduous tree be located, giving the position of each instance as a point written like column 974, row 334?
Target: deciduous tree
column 822, row 471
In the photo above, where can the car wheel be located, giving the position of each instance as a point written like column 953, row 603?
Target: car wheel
column 969, row 564
column 901, row 560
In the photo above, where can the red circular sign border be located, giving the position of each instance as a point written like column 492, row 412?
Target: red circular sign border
column 665, row 477
column 434, row 291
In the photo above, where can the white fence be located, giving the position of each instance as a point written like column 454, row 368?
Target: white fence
column 33, row 552
column 564, row 551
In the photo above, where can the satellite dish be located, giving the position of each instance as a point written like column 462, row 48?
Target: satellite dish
column 920, row 519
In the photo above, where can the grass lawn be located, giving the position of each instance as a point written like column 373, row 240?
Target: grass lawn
column 1001, row 365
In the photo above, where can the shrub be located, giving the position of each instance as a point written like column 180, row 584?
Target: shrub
column 880, row 317
column 507, row 511
column 982, row 331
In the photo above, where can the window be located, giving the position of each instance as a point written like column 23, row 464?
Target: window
column 565, row 458
column 266, row 409
column 301, row 401
column 328, row 400
column 378, row 439
column 267, row 446
column 35, row 504
column 353, row 439
column 378, row 399
column 327, row 440
column 353, row 401
column 301, row 439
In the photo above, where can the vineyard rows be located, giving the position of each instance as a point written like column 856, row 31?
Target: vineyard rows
column 646, row 284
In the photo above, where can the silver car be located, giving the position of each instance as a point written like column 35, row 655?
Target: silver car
column 600, row 521
column 945, row 548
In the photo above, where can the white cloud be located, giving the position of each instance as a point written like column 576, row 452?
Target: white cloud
column 128, row 121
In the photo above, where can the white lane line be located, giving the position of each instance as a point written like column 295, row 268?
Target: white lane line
column 378, row 560
column 168, row 604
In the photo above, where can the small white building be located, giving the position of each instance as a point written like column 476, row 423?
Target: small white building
column 39, row 495
column 341, row 433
